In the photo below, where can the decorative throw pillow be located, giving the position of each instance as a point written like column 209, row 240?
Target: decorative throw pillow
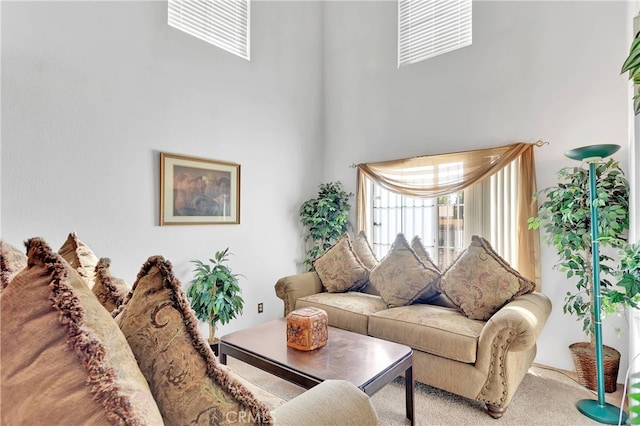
column 12, row 261
column 64, row 359
column 187, row 382
column 423, row 254
column 401, row 277
column 480, row 282
column 363, row 250
column 110, row 291
column 339, row 268
column 80, row 257
column 428, row 296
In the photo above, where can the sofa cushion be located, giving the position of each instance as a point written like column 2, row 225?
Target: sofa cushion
column 12, row 261
column 363, row 250
column 64, row 359
column 480, row 282
column 437, row 330
column 401, row 277
column 185, row 378
column 109, row 290
column 80, row 257
column 340, row 269
column 349, row 311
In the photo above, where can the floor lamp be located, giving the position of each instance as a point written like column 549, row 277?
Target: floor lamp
column 599, row 410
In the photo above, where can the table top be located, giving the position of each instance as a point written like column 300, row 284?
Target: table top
column 346, row 356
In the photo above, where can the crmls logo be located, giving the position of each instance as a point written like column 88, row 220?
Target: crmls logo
column 246, row 417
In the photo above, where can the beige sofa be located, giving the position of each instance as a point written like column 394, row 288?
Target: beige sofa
column 481, row 360
column 67, row 360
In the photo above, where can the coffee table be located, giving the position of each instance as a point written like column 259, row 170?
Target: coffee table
column 367, row 362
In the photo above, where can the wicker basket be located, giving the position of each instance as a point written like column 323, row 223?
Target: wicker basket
column 584, row 359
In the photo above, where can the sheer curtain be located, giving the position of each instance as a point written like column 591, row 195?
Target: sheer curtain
column 500, row 183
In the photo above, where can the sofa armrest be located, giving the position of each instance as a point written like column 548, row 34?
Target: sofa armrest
column 293, row 287
column 332, row 402
column 506, row 347
column 522, row 319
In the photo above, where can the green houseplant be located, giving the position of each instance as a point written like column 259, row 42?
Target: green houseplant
column 325, row 217
column 632, row 65
column 564, row 215
column 214, row 292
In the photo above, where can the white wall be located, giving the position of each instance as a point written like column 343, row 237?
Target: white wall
column 536, row 70
column 93, row 91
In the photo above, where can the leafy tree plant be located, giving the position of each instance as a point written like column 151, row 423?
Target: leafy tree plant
column 566, row 220
column 632, row 64
column 629, row 282
column 326, row 218
column 214, row 292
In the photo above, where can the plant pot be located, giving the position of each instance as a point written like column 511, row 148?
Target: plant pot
column 584, row 359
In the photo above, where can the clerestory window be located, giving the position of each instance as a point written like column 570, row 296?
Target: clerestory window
column 223, row 23
column 427, row 28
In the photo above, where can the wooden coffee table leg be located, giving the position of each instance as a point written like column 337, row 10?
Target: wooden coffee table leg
column 222, row 354
column 409, row 388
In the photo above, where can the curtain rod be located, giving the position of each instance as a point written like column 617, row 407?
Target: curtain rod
column 538, row 143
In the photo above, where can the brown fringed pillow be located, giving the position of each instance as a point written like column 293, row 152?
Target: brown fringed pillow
column 64, row 359
column 80, row 257
column 187, row 382
column 110, row 291
column 12, row 261
column 480, row 282
column 339, row 268
column 401, row 277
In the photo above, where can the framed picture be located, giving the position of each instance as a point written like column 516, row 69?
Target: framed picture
column 196, row 191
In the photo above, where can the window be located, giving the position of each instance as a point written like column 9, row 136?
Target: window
column 438, row 221
column 447, row 198
column 428, row 28
column 223, row 23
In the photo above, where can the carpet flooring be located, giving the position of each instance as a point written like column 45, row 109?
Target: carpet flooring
column 545, row 397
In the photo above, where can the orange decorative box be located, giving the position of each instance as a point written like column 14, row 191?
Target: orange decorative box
column 307, row 329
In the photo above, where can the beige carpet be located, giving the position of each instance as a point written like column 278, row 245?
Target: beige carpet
column 545, row 397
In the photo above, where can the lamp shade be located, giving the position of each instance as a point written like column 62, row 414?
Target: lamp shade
column 592, row 151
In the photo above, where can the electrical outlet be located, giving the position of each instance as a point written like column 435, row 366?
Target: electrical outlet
column 260, row 308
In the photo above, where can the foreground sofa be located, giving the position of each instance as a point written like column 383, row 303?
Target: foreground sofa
column 481, row 359
column 67, row 360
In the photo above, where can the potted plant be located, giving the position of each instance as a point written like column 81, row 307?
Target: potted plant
column 326, row 218
column 214, row 292
column 564, row 215
column 632, row 64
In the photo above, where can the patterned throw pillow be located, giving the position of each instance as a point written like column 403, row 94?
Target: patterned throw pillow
column 428, row 296
column 423, row 254
column 187, row 382
column 80, row 257
column 12, row 261
column 363, row 250
column 64, row 359
column 110, row 291
column 339, row 268
column 401, row 277
column 480, row 282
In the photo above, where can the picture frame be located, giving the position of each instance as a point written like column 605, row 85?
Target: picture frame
column 198, row 191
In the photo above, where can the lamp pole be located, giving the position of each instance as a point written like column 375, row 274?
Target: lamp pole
column 599, row 410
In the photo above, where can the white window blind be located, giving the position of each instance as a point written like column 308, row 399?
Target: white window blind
column 223, row 23
column 427, row 28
